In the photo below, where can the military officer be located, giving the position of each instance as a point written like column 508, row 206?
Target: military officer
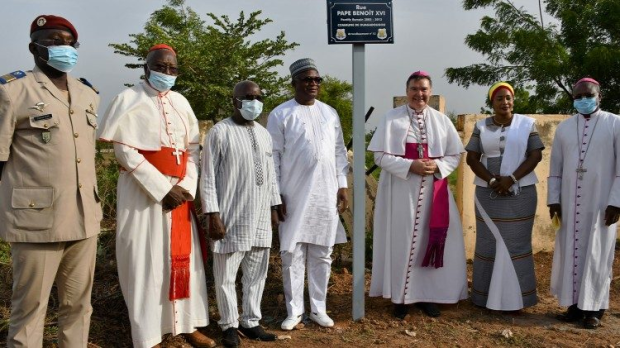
column 49, row 208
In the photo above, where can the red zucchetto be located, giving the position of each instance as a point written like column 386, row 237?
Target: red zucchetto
column 162, row 47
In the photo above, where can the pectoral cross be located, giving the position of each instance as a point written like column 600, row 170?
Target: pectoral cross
column 177, row 153
column 420, row 151
column 580, row 170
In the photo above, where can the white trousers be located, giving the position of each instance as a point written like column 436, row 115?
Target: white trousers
column 318, row 258
column 254, row 264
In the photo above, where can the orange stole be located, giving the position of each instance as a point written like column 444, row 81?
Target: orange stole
column 181, row 231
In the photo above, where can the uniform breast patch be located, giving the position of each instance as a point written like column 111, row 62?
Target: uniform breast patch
column 42, row 117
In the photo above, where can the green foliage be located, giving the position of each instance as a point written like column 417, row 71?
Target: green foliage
column 547, row 59
column 107, row 172
column 212, row 58
column 339, row 95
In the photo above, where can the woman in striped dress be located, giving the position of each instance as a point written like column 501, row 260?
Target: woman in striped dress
column 503, row 151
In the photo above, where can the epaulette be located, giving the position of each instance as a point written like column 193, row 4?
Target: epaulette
column 85, row 81
column 15, row 75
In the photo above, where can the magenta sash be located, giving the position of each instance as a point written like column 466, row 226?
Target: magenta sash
column 440, row 213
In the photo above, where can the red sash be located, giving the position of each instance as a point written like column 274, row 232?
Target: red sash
column 181, row 231
column 440, row 213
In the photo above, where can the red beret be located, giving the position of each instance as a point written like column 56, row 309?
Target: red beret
column 52, row 22
column 162, row 47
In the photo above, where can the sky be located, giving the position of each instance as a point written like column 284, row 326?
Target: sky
column 428, row 35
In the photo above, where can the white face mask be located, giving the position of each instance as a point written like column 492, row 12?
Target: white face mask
column 251, row 109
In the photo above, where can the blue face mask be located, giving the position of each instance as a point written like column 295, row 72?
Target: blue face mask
column 251, row 109
column 62, row 58
column 160, row 81
column 585, row 106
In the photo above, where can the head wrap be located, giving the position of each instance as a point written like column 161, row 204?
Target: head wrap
column 52, row 22
column 586, row 79
column 302, row 65
column 498, row 86
column 162, row 47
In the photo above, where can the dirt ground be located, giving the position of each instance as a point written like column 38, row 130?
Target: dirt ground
column 460, row 325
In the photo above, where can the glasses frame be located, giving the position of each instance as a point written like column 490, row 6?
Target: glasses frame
column 250, row 97
column 309, row 79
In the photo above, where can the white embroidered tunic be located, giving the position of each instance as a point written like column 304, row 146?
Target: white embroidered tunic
column 311, row 165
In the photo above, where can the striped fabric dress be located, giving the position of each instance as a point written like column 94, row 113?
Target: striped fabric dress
column 513, row 216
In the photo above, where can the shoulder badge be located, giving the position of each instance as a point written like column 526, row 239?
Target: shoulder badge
column 85, row 81
column 15, row 75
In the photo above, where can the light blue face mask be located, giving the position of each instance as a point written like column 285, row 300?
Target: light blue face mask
column 62, row 58
column 161, row 82
column 251, row 109
column 585, row 106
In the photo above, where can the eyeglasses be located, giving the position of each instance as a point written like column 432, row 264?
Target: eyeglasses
column 249, row 97
column 309, row 79
column 585, row 95
column 165, row 69
column 58, row 42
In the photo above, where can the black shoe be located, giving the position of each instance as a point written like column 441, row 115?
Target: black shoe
column 591, row 322
column 400, row 310
column 256, row 333
column 230, row 339
column 571, row 315
column 429, row 309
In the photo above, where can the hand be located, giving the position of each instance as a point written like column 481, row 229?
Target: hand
column 342, row 200
column 495, row 185
column 216, row 230
column 281, row 209
column 275, row 220
column 188, row 196
column 174, row 198
column 555, row 208
column 503, row 185
column 423, row 167
column 611, row 215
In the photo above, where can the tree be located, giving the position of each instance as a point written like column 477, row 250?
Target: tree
column 339, row 95
column 546, row 59
column 212, row 58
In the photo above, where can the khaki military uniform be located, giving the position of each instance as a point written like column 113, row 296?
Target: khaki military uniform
column 49, row 208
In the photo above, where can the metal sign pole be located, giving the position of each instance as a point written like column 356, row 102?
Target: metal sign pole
column 359, row 180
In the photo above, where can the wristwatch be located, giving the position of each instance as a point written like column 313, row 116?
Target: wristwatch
column 492, row 181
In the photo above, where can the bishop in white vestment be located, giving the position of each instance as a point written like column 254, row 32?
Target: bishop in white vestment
column 584, row 192
column 155, row 132
column 405, row 207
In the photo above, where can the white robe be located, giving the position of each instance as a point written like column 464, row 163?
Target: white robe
column 584, row 246
column 134, row 122
column 228, row 185
column 311, row 165
column 395, row 208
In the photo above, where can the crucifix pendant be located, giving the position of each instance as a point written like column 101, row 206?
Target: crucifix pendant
column 420, row 151
column 580, row 171
column 177, row 153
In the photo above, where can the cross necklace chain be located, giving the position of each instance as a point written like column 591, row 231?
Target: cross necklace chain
column 580, row 169
column 418, row 134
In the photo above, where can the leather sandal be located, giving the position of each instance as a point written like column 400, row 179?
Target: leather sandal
column 199, row 340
